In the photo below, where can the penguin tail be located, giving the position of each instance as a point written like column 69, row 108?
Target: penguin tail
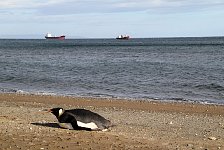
column 112, row 124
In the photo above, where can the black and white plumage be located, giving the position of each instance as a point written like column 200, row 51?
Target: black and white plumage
column 80, row 119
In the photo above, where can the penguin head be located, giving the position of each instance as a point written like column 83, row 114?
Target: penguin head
column 57, row 111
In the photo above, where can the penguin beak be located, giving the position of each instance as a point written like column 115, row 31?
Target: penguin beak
column 47, row 110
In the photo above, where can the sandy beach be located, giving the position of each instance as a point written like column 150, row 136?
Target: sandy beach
column 139, row 124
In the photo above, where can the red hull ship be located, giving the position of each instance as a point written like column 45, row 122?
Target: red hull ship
column 49, row 36
column 123, row 37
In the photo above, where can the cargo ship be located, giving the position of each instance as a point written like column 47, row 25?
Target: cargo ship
column 49, row 36
column 123, row 37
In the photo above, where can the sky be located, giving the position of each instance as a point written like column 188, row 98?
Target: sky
column 110, row 18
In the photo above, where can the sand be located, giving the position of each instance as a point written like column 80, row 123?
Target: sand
column 139, row 124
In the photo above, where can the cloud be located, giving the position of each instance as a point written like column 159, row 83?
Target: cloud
column 167, row 6
column 27, row 3
column 109, row 17
column 70, row 7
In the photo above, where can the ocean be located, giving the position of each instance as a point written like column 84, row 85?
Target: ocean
column 164, row 69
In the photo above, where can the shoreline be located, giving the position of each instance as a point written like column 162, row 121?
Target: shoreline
column 139, row 124
column 154, row 105
column 172, row 100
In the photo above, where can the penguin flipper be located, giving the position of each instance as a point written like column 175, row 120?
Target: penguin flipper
column 72, row 120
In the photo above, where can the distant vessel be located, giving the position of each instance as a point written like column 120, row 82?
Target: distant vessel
column 49, row 36
column 123, row 37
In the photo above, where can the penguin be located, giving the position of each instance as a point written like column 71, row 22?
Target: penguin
column 80, row 119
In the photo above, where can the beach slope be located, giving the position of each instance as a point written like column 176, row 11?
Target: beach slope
column 138, row 124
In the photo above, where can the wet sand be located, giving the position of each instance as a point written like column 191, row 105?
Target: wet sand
column 139, row 124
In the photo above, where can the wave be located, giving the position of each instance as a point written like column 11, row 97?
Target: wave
column 6, row 90
column 212, row 86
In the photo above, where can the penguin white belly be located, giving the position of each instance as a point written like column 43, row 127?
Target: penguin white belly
column 66, row 125
column 90, row 125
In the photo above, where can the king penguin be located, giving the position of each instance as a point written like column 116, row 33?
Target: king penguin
column 80, row 119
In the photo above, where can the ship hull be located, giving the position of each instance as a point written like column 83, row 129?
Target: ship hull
column 56, row 38
column 124, row 38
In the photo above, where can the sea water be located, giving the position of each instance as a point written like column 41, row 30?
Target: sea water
column 176, row 69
